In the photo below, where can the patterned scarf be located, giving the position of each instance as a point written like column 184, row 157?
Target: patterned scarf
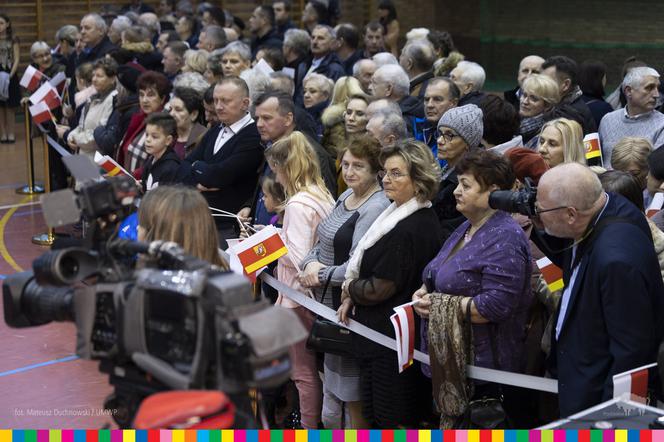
column 530, row 127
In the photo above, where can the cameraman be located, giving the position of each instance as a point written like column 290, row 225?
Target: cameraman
column 607, row 320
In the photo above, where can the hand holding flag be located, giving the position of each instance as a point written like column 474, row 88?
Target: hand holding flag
column 48, row 94
column 31, row 78
column 403, row 321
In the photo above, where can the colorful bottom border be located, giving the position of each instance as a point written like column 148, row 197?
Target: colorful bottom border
column 331, row 436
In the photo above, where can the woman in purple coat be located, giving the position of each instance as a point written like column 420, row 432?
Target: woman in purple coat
column 486, row 263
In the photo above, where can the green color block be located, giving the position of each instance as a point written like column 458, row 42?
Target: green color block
column 104, row 435
column 30, row 436
column 215, row 436
column 325, row 436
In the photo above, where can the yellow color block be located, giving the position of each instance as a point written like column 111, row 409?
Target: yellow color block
column 620, row 436
column 424, row 436
column 473, row 435
column 177, row 436
column 497, row 435
column 128, row 435
column 5, row 435
column 301, row 435
column 54, row 435
column 227, row 435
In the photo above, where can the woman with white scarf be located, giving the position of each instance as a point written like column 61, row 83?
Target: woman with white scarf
column 383, row 271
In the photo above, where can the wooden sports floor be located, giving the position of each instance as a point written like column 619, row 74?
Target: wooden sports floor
column 42, row 383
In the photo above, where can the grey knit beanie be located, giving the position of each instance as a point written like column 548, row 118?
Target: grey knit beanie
column 466, row 121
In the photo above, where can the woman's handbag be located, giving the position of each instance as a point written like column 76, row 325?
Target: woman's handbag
column 327, row 336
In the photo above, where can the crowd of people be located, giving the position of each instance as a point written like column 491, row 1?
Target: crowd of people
column 377, row 158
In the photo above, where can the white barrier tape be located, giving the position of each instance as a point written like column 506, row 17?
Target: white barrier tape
column 474, row 372
column 54, row 144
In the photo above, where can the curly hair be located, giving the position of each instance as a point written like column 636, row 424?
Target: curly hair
column 422, row 167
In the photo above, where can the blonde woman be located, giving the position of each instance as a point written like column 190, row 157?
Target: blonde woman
column 631, row 155
column 308, row 201
column 539, row 94
column 561, row 141
column 334, row 131
column 195, row 61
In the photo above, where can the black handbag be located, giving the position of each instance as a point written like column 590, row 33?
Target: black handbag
column 486, row 412
column 327, row 336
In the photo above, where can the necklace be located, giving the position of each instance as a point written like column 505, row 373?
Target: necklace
column 468, row 236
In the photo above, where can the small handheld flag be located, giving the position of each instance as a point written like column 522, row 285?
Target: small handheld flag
column 40, row 113
column 260, row 249
column 403, row 321
column 31, row 78
column 48, row 94
column 109, row 165
column 655, row 205
column 552, row 274
column 593, row 146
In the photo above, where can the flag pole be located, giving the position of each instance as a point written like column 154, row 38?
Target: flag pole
column 45, row 239
column 31, row 188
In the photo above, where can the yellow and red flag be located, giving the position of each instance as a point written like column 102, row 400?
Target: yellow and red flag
column 593, row 146
column 553, row 275
column 260, row 249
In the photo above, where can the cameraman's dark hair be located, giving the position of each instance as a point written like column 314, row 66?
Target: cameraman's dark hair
column 286, row 104
column 350, row 34
column 208, row 96
column 565, row 66
column 623, row 183
column 488, row 169
column 191, row 99
column 164, row 121
column 591, row 75
column 501, row 120
column 442, row 41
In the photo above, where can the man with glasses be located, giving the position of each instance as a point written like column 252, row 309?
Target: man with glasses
column 607, row 321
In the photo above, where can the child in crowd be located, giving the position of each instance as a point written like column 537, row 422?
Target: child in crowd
column 163, row 163
column 274, row 199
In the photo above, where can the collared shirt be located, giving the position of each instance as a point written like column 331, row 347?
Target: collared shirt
column 315, row 63
column 567, row 292
column 227, row 132
column 637, row 116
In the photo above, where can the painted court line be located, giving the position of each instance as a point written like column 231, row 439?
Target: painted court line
column 38, row 365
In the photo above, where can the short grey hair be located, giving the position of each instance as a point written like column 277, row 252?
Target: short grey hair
column 635, row 77
column 324, row 83
column 151, row 21
column 192, row 80
column 396, row 76
column 217, row 35
column 100, row 23
column 286, row 83
column 472, row 72
column 383, row 107
column 358, row 65
column 422, row 54
column 120, row 23
column 298, row 40
column 330, row 30
column 38, row 46
column 393, row 124
column 67, row 33
column 384, row 58
column 239, row 48
column 184, row 7
column 257, row 82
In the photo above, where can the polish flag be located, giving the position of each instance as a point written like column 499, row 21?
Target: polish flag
column 40, row 113
column 655, row 205
column 403, row 321
column 633, row 384
column 48, row 94
column 59, row 82
column 31, row 78
column 552, row 274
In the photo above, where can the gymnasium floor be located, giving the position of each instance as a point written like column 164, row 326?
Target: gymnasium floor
column 42, row 383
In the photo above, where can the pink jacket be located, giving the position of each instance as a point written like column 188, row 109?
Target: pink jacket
column 301, row 218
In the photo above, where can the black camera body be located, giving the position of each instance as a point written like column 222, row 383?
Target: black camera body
column 178, row 323
column 520, row 201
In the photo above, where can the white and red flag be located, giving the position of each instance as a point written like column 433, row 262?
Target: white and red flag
column 48, row 94
column 403, row 321
column 633, row 384
column 40, row 113
column 59, row 82
column 655, row 205
column 31, row 78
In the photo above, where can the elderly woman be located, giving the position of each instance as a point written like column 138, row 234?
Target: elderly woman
column 383, row 272
column 481, row 274
column 317, row 90
column 460, row 131
column 153, row 92
column 42, row 59
column 325, row 267
column 235, row 58
column 96, row 110
column 561, row 141
column 539, row 94
column 308, row 202
column 187, row 110
column 631, row 155
column 195, row 61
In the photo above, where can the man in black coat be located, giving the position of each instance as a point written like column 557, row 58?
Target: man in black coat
column 93, row 36
column 261, row 25
column 564, row 71
column 608, row 320
column 224, row 165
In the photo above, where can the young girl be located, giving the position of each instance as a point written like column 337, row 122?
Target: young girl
column 274, row 199
column 9, row 58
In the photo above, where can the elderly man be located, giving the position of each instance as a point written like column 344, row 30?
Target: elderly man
column 638, row 118
column 374, row 39
column 275, row 119
column 363, row 70
column 324, row 60
column 387, row 128
column 391, row 82
column 117, row 27
column 469, row 78
column 417, row 60
column 212, row 37
column 441, row 95
column 261, row 25
column 282, row 9
column 93, row 37
column 608, row 319
column 564, row 71
column 531, row 64
column 173, row 59
column 224, row 166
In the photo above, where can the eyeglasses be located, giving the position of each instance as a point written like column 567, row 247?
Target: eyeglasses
column 448, row 136
column 539, row 210
column 393, row 175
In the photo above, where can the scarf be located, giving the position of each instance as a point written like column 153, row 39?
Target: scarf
column 530, row 127
column 381, row 227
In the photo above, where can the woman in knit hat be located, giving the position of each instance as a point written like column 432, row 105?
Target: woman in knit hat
column 460, row 130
